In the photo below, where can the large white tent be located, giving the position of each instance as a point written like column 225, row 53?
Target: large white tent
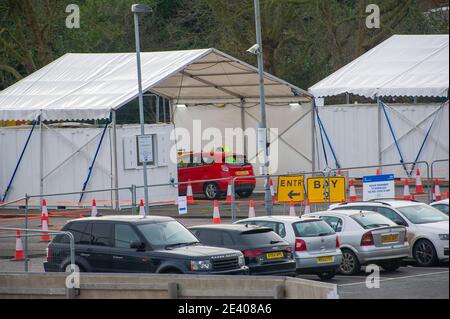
column 403, row 65
column 94, row 86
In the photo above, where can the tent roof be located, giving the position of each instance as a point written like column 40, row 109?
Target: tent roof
column 89, row 86
column 403, row 65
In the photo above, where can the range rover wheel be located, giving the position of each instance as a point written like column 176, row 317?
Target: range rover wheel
column 211, row 191
column 424, row 253
column 350, row 264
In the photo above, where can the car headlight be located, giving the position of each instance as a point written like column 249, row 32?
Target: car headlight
column 241, row 261
column 443, row 236
column 200, row 265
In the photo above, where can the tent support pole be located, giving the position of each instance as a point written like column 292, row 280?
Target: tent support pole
column 243, row 126
column 313, row 134
column 379, row 136
column 115, row 171
column 41, row 158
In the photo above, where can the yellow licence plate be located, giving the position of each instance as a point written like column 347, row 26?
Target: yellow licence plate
column 240, row 173
column 277, row 255
column 327, row 259
column 390, row 239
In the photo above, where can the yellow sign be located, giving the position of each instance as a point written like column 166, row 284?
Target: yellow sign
column 291, row 188
column 319, row 191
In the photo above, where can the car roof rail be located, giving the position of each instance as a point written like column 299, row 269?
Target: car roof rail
column 388, row 198
column 368, row 201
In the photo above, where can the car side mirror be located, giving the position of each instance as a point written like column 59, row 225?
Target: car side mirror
column 138, row 245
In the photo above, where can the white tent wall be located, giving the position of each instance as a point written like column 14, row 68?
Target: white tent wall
column 353, row 131
column 290, row 152
column 59, row 144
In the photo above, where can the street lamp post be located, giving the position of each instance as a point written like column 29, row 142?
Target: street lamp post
column 263, row 123
column 136, row 9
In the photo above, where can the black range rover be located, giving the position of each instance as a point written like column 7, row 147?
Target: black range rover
column 133, row 244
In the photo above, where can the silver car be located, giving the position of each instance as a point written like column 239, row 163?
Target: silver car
column 314, row 242
column 367, row 238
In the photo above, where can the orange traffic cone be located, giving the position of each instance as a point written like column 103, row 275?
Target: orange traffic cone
column 228, row 200
column 251, row 209
column 378, row 172
column 20, row 254
column 292, row 209
column 141, row 208
column 406, row 193
column 352, row 195
column 190, row 194
column 44, row 212
column 307, row 207
column 45, row 236
column 94, row 211
column 437, row 190
column 419, row 186
column 216, row 213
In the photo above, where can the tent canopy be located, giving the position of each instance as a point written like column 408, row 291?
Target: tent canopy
column 403, row 65
column 90, row 86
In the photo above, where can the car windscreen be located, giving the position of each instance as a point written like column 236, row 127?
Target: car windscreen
column 422, row 214
column 313, row 228
column 372, row 220
column 164, row 234
column 259, row 238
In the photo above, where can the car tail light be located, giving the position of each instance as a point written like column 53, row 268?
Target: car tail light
column 225, row 168
column 300, row 245
column 49, row 254
column 338, row 244
column 252, row 253
column 367, row 239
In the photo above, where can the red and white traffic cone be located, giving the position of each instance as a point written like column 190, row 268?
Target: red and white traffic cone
column 339, row 172
column 45, row 236
column 406, row 192
column 378, row 172
column 352, row 193
column 44, row 213
column 251, row 210
column 433, row 195
column 307, row 207
column 20, row 254
column 141, row 208
column 292, row 209
column 94, row 211
column 437, row 190
column 228, row 199
column 419, row 186
column 189, row 194
column 216, row 213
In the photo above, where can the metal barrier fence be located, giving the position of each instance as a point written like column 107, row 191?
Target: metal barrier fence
column 434, row 163
column 37, row 232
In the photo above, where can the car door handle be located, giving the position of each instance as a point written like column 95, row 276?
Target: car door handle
column 118, row 257
column 85, row 255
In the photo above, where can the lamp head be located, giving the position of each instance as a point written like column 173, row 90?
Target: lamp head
column 140, row 8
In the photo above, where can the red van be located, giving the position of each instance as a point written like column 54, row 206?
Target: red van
column 207, row 166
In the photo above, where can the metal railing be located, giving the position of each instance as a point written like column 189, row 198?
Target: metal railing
column 38, row 232
column 433, row 164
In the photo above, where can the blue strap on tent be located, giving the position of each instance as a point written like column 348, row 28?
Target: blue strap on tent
column 402, row 161
column 424, row 141
column 108, row 121
column 20, row 159
column 322, row 129
column 323, row 142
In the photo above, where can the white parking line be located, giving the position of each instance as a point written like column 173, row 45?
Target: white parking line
column 397, row 278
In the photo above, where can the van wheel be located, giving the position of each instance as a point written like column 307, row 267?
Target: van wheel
column 245, row 194
column 212, row 191
column 350, row 264
column 424, row 253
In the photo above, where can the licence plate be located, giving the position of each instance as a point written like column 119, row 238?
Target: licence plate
column 326, row 259
column 240, row 173
column 390, row 239
column 277, row 255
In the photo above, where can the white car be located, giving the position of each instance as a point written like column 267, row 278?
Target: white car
column 442, row 205
column 428, row 228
